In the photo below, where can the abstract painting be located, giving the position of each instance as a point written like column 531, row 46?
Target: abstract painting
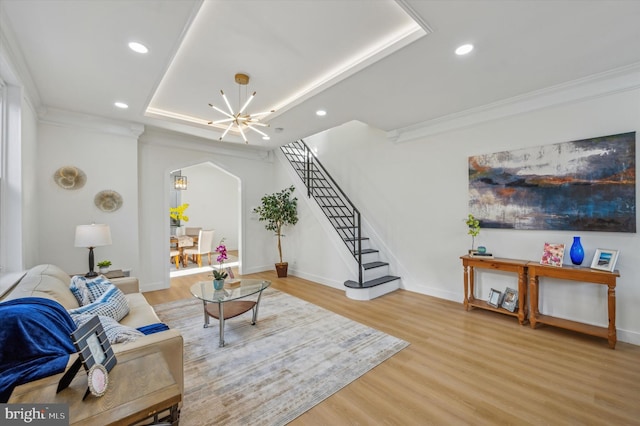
column 583, row 185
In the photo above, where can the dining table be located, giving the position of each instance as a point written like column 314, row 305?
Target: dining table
column 181, row 242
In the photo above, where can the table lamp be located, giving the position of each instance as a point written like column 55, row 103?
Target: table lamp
column 90, row 236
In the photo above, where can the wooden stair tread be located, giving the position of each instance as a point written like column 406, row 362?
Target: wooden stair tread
column 367, row 251
column 372, row 265
column 371, row 283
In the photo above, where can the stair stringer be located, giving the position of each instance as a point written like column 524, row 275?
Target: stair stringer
column 369, row 293
column 346, row 256
column 395, row 265
column 332, row 236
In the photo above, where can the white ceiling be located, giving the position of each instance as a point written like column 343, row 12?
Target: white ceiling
column 387, row 63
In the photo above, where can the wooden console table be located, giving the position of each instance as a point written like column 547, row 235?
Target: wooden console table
column 581, row 274
column 499, row 264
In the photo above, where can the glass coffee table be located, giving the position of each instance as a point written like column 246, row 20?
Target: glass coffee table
column 227, row 303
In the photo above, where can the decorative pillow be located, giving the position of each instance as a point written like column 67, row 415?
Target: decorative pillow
column 116, row 333
column 87, row 290
column 112, row 303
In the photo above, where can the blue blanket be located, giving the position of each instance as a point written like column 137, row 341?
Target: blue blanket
column 153, row 328
column 35, row 341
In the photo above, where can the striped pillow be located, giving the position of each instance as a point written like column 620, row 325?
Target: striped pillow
column 87, row 290
column 112, row 303
column 116, row 333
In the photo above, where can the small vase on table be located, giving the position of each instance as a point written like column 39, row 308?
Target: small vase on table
column 576, row 252
column 218, row 284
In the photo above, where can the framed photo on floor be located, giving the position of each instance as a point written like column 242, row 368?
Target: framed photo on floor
column 605, row 259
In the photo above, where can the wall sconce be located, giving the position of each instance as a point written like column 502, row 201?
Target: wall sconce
column 180, row 182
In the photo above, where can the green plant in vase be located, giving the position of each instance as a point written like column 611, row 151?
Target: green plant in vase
column 474, row 229
column 104, row 266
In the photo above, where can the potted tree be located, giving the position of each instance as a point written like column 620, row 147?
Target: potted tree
column 278, row 210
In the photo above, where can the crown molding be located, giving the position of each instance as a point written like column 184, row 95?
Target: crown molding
column 59, row 117
column 409, row 10
column 618, row 80
column 166, row 138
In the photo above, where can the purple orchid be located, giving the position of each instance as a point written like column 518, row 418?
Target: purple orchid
column 222, row 256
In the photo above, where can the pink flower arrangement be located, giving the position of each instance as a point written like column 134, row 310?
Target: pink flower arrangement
column 220, row 274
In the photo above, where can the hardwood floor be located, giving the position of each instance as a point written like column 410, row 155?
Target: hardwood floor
column 476, row 367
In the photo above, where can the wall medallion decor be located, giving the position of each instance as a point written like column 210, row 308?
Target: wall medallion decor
column 108, row 201
column 583, row 185
column 69, row 177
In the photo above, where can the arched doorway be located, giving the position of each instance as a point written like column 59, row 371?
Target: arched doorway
column 213, row 196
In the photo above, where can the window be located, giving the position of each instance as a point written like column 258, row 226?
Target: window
column 3, row 150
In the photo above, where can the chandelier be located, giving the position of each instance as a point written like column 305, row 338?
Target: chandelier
column 241, row 120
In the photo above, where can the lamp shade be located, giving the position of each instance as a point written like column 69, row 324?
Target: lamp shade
column 94, row 235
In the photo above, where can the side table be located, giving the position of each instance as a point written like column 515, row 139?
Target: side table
column 140, row 387
column 574, row 273
column 469, row 263
column 224, row 304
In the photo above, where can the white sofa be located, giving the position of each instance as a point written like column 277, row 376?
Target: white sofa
column 51, row 282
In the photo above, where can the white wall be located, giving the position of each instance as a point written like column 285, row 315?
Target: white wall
column 415, row 196
column 109, row 159
column 213, row 197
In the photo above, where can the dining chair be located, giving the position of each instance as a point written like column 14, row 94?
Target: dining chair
column 175, row 256
column 205, row 243
column 192, row 232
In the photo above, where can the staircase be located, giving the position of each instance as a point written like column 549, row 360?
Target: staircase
column 373, row 274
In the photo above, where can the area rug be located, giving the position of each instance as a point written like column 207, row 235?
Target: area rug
column 296, row 355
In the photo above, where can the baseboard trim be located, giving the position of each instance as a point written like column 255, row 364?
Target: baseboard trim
column 158, row 285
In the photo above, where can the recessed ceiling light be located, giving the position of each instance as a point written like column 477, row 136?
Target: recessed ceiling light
column 138, row 47
column 464, row 49
column 321, row 113
column 121, row 105
column 266, row 138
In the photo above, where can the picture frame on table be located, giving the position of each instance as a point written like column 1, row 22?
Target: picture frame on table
column 495, row 297
column 510, row 300
column 95, row 354
column 229, row 272
column 98, row 379
column 552, row 254
column 93, row 345
column 605, row 259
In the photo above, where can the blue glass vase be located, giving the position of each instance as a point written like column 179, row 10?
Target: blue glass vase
column 576, row 252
